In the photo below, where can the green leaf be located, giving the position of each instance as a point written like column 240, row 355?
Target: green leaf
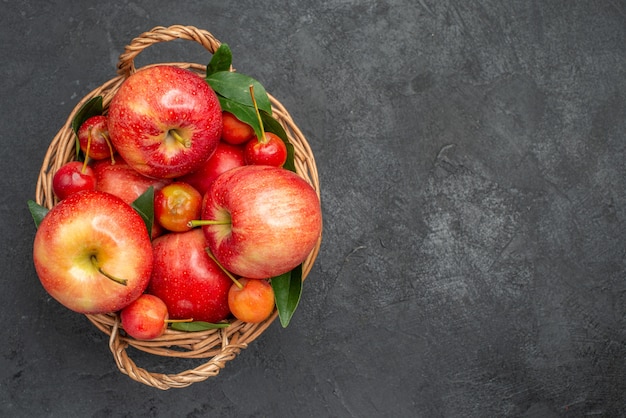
column 221, row 60
column 37, row 211
column 287, row 292
column 144, row 205
column 272, row 125
column 92, row 107
column 236, row 87
column 197, row 326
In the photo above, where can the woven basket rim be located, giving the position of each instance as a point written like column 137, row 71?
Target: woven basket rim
column 218, row 346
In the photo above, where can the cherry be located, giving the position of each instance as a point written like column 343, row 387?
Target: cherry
column 234, row 131
column 253, row 301
column 71, row 178
column 146, row 318
column 268, row 151
column 175, row 205
column 93, row 138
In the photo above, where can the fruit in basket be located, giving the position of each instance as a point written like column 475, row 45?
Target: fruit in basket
column 187, row 280
column 269, row 150
column 261, row 221
column 123, row 181
column 175, row 205
column 225, row 157
column 73, row 177
column 253, row 302
column 235, row 131
column 92, row 253
column 93, row 138
column 145, row 318
column 165, row 121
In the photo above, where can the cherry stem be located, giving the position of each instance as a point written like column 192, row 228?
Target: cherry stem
column 263, row 139
column 185, row 142
column 108, row 141
column 95, row 263
column 82, row 171
column 173, row 321
column 203, row 222
column 228, row 273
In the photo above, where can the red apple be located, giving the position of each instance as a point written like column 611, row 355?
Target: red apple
column 73, row 177
column 92, row 253
column 225, row 157
column 93, row 138
column 165, row 121
column 187, row 280
column 267, row 220
column 123, row 181
column 145, row 318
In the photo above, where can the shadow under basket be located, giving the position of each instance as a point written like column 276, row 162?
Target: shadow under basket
column 217, row 346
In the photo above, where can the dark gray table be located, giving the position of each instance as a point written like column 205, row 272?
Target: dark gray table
column 471, row 156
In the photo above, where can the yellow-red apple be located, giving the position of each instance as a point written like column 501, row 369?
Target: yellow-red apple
column 92, row 253
column 261, row 221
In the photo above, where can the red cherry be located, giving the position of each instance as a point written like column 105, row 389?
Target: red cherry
column 235, row 131
column 93, row 138
column 175, row 205
column 145, row 318
column 271, row 152
column 253, row 302
column 71, row 178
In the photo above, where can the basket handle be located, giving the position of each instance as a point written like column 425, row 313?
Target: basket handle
column 126, row 64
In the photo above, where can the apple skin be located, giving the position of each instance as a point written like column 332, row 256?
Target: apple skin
column 191, row 284
column 225, row 157
column 154, row 105
column 123, row 181
column 275, row 220
column 86, row 225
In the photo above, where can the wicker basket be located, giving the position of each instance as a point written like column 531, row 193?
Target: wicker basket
column 217, row 346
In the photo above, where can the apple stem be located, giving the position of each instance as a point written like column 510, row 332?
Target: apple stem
column 185, row 142
column 228, row 273
column 94, row 261
column 263, row 138
column 203, row 222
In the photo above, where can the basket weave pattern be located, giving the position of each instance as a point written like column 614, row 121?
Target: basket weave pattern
column 218, row 346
